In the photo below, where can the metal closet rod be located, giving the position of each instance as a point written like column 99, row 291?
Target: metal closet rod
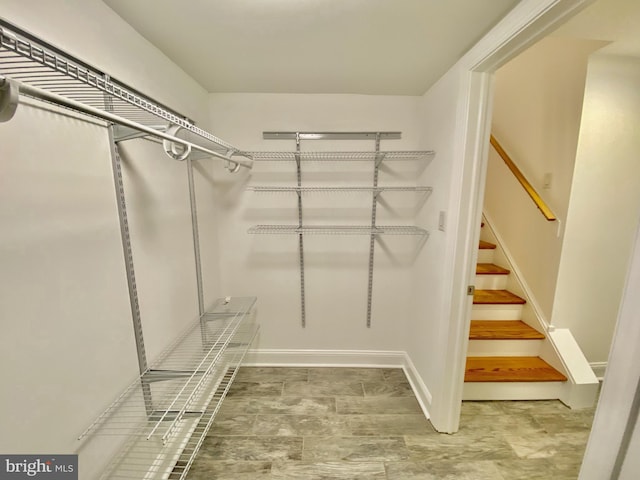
column 331, row 135
column 80, row 107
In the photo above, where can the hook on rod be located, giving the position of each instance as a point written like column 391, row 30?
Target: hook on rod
column 229, row 165
column 172, row 149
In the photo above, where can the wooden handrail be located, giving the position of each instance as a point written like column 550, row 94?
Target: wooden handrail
column 542, row 206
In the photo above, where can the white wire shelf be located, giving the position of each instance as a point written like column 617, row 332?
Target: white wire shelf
column 271, row 189
column 337, row 230
column 164, row 415
column 419, row 155
column 36, row 63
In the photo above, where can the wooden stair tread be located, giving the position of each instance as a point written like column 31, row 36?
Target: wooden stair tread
column 490, row 269
column 497, row 297
column 503, row 330
column 510, row 369
column 486, row 245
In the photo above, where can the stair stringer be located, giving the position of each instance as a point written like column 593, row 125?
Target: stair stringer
column 559, row 347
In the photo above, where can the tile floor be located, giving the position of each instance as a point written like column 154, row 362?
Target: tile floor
column 365, row 423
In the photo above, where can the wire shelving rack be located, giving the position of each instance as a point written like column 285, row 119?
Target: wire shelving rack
column 41, row 66
column 310, row 189
column 367, row 156
column 375, row 157
column 161, row 419
column 164, row 415
column 337, row 230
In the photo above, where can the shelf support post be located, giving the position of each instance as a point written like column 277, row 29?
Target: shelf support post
column 125, row 236
column 300, row 234
column 196, row 237
column 372, row 242
column 116, row 167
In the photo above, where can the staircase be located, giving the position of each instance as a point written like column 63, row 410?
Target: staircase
column 503, row 359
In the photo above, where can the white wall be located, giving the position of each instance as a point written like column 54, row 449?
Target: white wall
column 68, row 344
column 336, row 267
column 429, row 326
column 537, row 108
column 605, row 206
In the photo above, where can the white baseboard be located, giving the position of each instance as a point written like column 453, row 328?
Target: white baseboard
column 598, row 369
column 419, row 388
column 343, row 358
column 324, row 358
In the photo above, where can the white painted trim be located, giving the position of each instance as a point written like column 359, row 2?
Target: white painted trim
column 615, row 413
column 529, row 21
column 582, row 388
column 496, row 312
column 420, row 390
column 543, row 323
column 559, row 348
column 504, row 348
column 465, row 209
column 343, row 358
column 512, row 390
column 572, row 357
column 490, row 282
column 485, row 256
column 324, row 358
column 599, row 369
column 583, row 395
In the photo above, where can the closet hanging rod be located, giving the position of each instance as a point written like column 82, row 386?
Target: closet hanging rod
column 331, row 135
column 40, row 94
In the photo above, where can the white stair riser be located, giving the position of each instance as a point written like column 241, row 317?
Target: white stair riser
column 485, row 255
column 504, row 348
column 496, row 312
column 491, row 282
column 512, row 390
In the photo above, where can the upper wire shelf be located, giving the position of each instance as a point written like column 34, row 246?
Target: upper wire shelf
column 419, row 155
column 271, row 189
column 38, row 64
column 338, row 230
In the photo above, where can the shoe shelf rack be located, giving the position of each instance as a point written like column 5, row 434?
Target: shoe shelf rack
column 165, row 413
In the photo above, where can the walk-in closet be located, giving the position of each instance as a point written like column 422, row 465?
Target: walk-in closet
column 184, row 195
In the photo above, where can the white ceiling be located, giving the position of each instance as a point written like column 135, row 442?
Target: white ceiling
column 386, row 47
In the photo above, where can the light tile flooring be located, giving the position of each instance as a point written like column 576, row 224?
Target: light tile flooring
column 365, row 424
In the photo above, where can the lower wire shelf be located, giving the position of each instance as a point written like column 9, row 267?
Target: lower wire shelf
column 165, row 414
column 338, row 230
